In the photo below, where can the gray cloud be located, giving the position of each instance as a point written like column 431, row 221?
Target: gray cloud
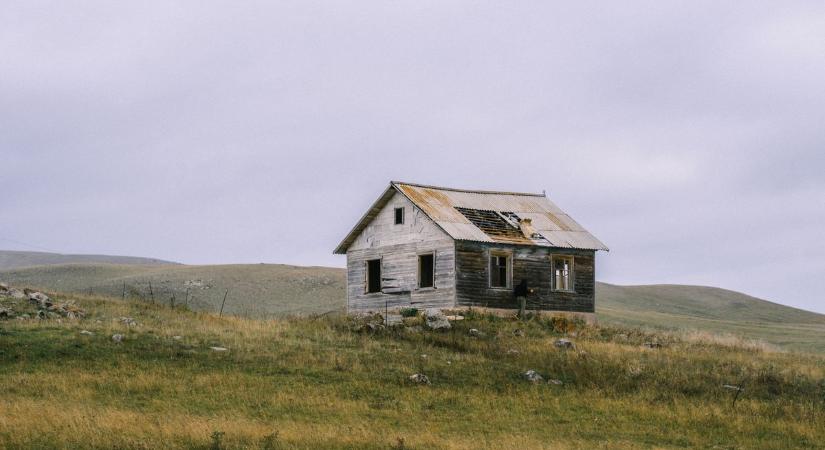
column 687, row 136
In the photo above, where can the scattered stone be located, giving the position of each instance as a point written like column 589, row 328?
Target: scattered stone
column 177, row 338
column 219, row 349
column 6, row 313
column 436, row 320
column 513, row 351
column 652, row 345
column 533, row 376
column 475, row 333
column 454, row 318
column 128, row 321
column 555, row 381
column 518, row 332
column 16, row 293
column 564, row 343
column 40, row 299
column 41, row 314
column 117, row 338
column 733, row 387
column 86, row 332
column 367, row 322
column 24, row 316
column 4, row 288
column 419, row 378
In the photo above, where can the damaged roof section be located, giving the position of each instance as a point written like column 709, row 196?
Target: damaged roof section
column 488, row 216
column 496, row 225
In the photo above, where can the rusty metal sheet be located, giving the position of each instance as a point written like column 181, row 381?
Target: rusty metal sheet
column 440, row 204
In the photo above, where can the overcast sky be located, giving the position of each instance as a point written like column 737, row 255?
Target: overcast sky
column 688, row 136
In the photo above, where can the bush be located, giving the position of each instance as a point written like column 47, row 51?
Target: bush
column 408, row 312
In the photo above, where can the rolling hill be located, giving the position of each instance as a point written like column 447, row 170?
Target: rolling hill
column 10, row 259
column 269, row 290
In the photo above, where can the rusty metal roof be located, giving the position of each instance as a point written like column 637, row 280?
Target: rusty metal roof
column 444, row 206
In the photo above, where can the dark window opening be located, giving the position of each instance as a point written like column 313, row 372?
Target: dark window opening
column 374, row 275
column 499, row 269
column 399, row 216
column 426, row 271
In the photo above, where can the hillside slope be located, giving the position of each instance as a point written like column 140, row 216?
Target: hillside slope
column 268, row 290
column 177, row 379
column 255, row 290
column 10, row 259
column 713, row 310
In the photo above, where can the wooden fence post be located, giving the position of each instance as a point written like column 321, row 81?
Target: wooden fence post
column 223, row 302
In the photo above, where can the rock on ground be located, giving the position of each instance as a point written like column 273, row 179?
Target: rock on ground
column 117, row 337
column 436, row 320
column 419, row 378
column 219, row 349
column 40, row 299
column 532, row 376
column 564, row 343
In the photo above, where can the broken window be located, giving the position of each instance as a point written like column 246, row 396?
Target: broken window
column 499, row 270
column 563, row 273
column 399, row 216
column 426, row 271
column 373, row 276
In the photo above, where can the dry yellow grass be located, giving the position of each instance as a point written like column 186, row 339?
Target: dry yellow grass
column 314, row 383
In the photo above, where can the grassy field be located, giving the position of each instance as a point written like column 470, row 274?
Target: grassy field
column 255, row 290
column 270, row 290
column 315, row 383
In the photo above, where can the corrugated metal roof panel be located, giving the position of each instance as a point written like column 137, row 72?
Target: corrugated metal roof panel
column 439, row 204
column 548, row 219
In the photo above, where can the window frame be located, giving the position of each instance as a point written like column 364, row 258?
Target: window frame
column 418, row 270
column 571, row 278
column 403, row 215
column 380, row 276
column 508, row 265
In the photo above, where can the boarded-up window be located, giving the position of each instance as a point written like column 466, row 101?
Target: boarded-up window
column 426, row 271
column 499, row 271
column 374, row 275
column 563, row 273
column 399, row 216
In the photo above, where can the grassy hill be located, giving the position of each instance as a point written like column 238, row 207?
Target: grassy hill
column 14, row 259
column 269, row 290
column 305, row 383
column 712, row 310
column 255, row 290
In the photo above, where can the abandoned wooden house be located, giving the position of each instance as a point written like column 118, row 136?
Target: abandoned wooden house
column 433, row 247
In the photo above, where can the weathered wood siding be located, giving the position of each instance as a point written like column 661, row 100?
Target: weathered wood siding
column 532, row 263
column 398, row 247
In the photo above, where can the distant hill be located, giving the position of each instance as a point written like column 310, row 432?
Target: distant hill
column 10, row 259
column 256, row 290
column 265, row 290
column 710, row 309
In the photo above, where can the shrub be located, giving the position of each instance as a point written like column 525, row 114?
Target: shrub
column 408, row 312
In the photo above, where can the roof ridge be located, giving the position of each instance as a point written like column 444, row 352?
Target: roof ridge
column 471, row 191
